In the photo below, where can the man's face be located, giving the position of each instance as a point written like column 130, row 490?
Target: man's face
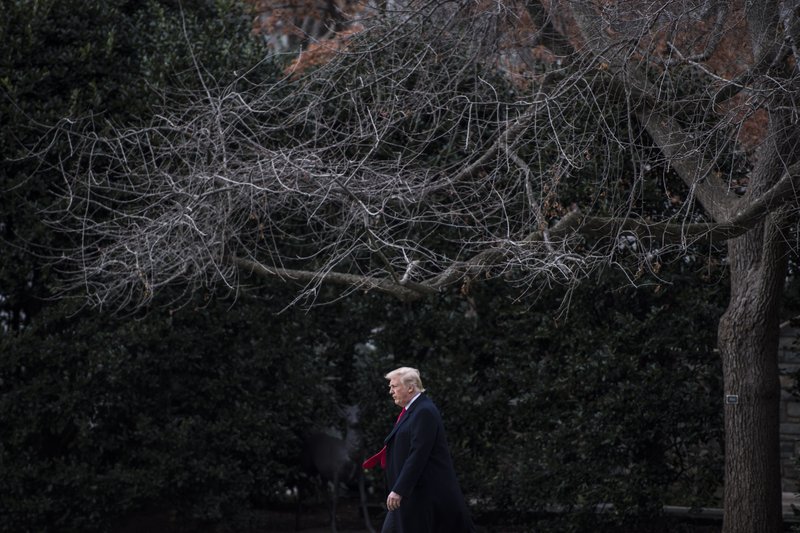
column 400, row 393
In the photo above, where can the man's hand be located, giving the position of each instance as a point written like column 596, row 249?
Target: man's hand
column 393, row 501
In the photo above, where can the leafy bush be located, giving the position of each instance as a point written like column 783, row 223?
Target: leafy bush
column 197, row 411
column 201, row 410
column 611, row 402
column 96, row 62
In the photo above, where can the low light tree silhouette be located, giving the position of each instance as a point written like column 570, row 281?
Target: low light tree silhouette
column 440, row 143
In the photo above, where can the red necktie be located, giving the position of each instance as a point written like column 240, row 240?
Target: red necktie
column 380, row 457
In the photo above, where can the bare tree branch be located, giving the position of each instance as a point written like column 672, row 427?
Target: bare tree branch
column 687, row 159
column 662, row 233
column 411, row 161
column 434, row 143
column 307, row 277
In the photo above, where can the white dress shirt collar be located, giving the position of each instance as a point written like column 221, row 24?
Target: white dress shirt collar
column 412, row 401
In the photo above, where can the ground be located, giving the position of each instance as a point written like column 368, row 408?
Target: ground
column 316, row 520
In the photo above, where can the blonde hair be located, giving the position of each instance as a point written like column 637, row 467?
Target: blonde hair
column 408, row 376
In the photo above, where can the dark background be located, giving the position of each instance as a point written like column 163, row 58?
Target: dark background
column 195, row 413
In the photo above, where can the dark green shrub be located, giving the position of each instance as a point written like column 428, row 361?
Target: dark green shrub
column 97, row 62
column 613, row 402
column 198, row 412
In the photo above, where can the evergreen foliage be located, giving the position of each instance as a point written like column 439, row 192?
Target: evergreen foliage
column 200, row 411
column 613, row 402
column 104, row 62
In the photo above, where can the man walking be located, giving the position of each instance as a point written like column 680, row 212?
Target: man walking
column 424, row 494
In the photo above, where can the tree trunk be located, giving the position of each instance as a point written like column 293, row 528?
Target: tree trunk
column 748, row 342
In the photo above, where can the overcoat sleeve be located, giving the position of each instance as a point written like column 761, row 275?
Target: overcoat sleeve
column 423, row 436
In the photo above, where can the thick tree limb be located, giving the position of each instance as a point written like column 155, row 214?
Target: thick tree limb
column 696, row 171
column 405, row 292
column 685, row 157
column 573, row 224
column 783, row 193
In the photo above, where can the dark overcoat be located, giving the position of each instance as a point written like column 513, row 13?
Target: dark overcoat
column 419, row 468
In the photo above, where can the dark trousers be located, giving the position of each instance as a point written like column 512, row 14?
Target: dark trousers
column 388, row 523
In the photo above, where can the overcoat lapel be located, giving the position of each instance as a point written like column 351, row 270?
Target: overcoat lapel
column 405, row 417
